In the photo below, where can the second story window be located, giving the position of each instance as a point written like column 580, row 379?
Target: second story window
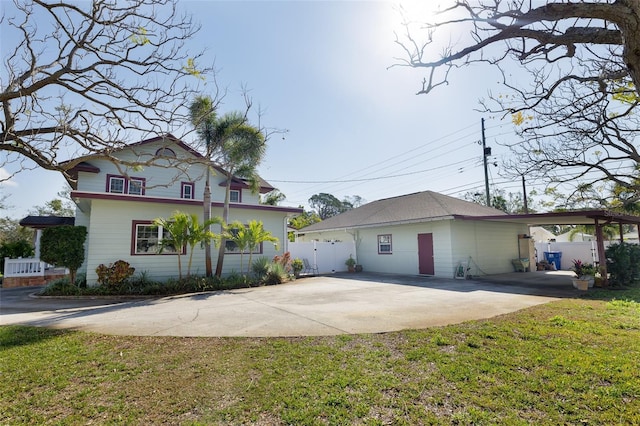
column 116, row 184
column 122, row 185
column 187, row 190
column 135, row 186
column 234, row 196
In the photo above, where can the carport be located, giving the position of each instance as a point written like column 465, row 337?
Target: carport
column 598, row 218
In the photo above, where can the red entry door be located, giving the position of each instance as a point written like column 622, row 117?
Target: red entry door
column 426, row 265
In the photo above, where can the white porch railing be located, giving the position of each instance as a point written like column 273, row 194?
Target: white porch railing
column 23, row 267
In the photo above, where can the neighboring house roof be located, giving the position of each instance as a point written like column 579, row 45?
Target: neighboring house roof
column 567, row 237
column 46, row 221
column 412, row 208
column 541, row 235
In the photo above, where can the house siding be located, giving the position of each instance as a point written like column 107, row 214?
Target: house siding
column 160, row 181
column 110, row 238
column 404, row 256
column 490, row 246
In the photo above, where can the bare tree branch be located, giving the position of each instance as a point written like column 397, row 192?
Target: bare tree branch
column 577, row 114
column 87, row 78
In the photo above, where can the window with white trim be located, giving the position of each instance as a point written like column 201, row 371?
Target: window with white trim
column 121, row 185
column 135, row 186
column 384, row 244
column 147, row 239
column 117, row 184
column 187, row 190
column 234, row 196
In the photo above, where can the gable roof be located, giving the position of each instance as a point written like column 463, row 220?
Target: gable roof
column 412, row 208
column 84, row 166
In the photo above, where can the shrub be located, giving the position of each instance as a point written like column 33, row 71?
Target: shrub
column 115, row 274
column 623, row 263
column 276, row 274
column 61, row 287
column 64, row 246
column 260, row 267
column 14, row 250
column 284, row 260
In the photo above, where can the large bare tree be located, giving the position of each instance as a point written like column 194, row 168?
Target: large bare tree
column 86, row 78
column 577, row 110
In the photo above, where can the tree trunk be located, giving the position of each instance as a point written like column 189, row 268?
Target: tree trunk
column 631, row 40
column 206, row 201
column 225, row 222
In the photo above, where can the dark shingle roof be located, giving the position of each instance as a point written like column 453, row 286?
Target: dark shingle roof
column 46, row 221
column 412, row 208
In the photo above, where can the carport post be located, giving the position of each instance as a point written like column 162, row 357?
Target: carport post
column 602, row 258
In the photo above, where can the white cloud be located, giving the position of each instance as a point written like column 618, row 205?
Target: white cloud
column 5, row 179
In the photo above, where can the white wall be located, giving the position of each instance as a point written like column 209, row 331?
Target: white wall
column 586, row 251
column 329, row 257
column 111, row 233
column 404, row 256
column 490, row 245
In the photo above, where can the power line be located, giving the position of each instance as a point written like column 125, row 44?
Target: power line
column 370, row 179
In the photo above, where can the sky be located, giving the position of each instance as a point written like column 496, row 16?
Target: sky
column 323, row 72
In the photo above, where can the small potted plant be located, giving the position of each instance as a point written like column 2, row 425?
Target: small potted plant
column 585, row 273
column 351, row 264
column 297, row 265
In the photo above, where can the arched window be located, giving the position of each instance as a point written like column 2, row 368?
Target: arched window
column 165, row 152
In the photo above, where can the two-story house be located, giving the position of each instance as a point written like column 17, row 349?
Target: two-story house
column 118, row 202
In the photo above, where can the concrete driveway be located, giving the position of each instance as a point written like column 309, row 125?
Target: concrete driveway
column 327, row 305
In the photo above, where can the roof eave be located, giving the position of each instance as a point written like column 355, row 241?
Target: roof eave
column 379, row 224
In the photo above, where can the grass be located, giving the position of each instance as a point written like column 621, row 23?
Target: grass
column 568, row 362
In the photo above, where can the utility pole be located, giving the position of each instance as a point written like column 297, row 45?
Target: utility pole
column 524, row 196
column 486, row 153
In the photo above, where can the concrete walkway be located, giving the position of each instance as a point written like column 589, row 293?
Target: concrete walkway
column 327, row 305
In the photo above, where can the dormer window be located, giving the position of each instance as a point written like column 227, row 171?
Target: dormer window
column 234, row 196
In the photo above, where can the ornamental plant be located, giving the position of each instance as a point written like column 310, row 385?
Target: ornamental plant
column 115, row 274
column 64, row 246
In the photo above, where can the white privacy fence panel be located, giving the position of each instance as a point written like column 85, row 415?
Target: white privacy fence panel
column 328, row 256
column 586, row 251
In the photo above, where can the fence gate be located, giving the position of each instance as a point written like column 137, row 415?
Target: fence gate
column 328, row 256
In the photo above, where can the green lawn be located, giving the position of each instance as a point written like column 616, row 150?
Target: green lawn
column 569, row 362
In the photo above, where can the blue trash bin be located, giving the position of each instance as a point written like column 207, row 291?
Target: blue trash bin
column 554, row 257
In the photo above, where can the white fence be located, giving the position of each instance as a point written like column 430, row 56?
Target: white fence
column 23, row 267
column 328, row 256
column 586, row 251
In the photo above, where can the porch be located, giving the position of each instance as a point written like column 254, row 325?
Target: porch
column 29, row 272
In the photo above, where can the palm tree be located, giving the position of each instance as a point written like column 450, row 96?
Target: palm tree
column 199, row 233
column 609, row 232
column 236, row 147
column 176, row 226
column 257, row 235
column 237, row 233
column 185, row 230
column 203, row 118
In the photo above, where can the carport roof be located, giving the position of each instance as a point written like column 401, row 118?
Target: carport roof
column 578, row 217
